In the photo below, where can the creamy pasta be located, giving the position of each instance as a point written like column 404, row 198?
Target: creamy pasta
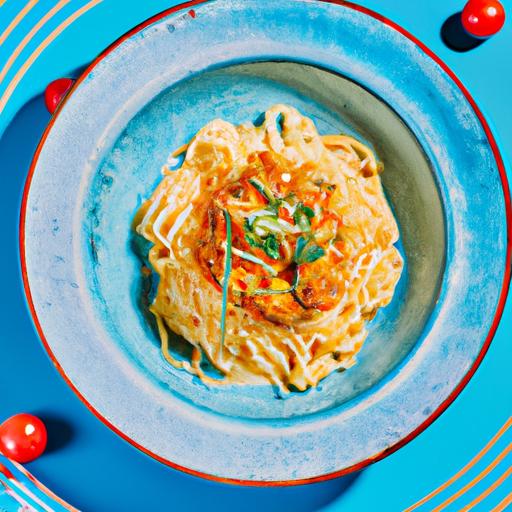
column 274, row 248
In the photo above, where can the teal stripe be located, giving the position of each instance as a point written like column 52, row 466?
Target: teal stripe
column 225, row 281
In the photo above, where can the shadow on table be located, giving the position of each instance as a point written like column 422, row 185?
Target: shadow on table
column 86, row 463
column 60, row 431
column 455, row 37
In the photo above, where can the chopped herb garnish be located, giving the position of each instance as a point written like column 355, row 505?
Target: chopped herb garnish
column 301, row 217
column 225, row 280
column 301, row 220
column 271, row 247
column 268, row 240
column 301, row 243
column 253, row 259
column 312, row 253
column 264, row 191
column 259, row 213
column 307, row 251
column 247, row 225
column 308, row 211
column 273, row 224
column 252, row 239
column 269, row 224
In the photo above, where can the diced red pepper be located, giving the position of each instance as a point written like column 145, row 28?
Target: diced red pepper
column 285, row 215
column 265, row 282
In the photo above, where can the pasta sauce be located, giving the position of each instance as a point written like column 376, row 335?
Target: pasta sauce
column 274, row 246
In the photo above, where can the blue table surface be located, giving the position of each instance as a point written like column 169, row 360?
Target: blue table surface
column 89, row 465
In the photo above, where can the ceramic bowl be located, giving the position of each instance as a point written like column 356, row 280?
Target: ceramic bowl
column 349, row 70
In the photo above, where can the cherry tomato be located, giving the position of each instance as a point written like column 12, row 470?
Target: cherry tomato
column 483, row 18
column 55, row 92
column 22, row 437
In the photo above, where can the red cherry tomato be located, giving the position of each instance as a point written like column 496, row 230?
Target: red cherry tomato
column 55, row 92
column 22, row 437
column 483, row 18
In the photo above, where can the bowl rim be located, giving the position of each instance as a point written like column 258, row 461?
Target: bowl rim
column 436, row 412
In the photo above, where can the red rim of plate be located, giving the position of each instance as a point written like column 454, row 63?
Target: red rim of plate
column 435, row 414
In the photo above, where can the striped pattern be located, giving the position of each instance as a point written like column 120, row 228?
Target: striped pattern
column 15, row 57
column 20, row 488
column 502, row 505
column 475, row 482
column 37, row 52
column 30, row 35
column 19, row 17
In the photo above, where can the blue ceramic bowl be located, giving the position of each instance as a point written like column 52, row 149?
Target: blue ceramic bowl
column 350, row 71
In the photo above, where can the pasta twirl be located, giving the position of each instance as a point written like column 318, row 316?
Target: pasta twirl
column 292, row 229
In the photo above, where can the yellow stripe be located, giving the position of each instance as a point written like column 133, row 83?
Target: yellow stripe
column 10, row 61
column 466, row 468
column 2, row 2
column 475, row 480
column 503, row 504
column 35, row 54
column 488, row 491
column 14, row 23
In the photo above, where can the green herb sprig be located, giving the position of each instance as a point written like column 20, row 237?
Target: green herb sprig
column 225, row 280
column 302, row 217
column 307, row 251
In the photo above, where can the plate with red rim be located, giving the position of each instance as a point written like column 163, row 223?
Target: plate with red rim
column 143, row 97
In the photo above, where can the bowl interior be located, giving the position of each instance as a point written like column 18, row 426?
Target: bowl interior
column 131, row 169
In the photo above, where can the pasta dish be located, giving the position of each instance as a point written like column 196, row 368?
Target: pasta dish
column 273, row 246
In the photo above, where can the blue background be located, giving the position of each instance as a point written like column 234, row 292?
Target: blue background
column 89, row 465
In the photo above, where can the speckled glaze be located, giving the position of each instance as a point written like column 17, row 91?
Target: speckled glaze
column 349, row 72
column 129, row 171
